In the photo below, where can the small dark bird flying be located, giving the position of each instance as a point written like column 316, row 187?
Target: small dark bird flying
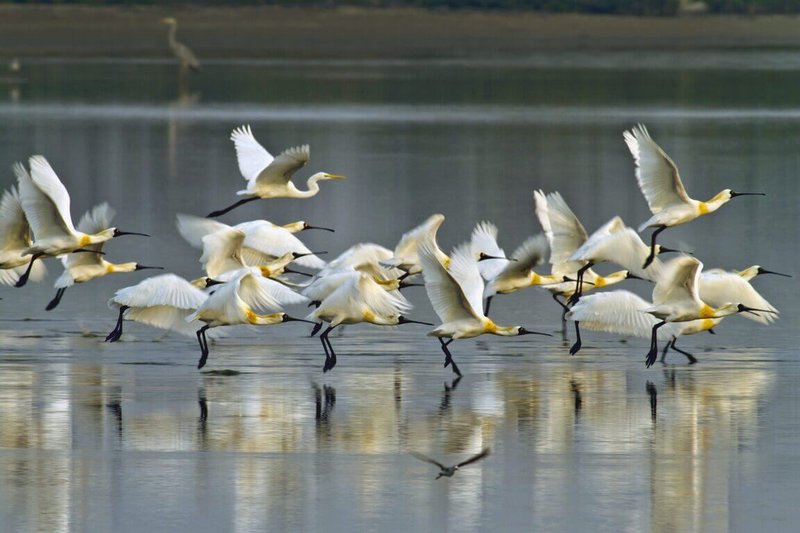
column 448, row 471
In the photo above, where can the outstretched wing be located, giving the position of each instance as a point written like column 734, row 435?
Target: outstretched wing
column 474, row 458
column 564, row 231
column 484, row 240
column 678, row 284
column 427, row 459
column 42, row 212
column 251, row 156
column 97, row 219
column 265, row 240
column 448, row 298
column 657, row 175
column 528, row 256
column 193, row 228
column 162, row 290
column 716, row 288
column 14, row 229
column 266, row 295
column 281, row 170
column 222, row 251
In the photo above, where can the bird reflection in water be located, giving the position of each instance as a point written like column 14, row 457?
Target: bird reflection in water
column 202, row 427
column 653, row 393
column 448, row 390
column 324, row 401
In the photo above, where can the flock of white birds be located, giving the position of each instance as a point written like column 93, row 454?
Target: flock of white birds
column 251, row 271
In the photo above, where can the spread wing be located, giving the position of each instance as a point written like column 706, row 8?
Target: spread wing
column 657, row 175
column 717, row 287
column 251, row 156
column 41, row 211
column 164, row 290
column 222, row 251
column 281, row 170
column 530, row 254
column 265, row 241
column 455, row 294
column 427, row 459
column 564, row 231
column 484, row 240
column 193, row 228
column 474, row 458
column 14, row 230
column 679, row 282
column 266, row 294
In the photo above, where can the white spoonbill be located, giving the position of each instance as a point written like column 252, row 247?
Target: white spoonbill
column 264, row 241
column 676, row 299
column 182, row 52
column 268, row 176
column 80, row 268
column 405, row 256
column 624, row 313
column 751, row 272
column 717, row 287
column 237, row 301
column 456, row 294
column 15, row 238
column 565, row 234
column 507, row 275
column 661, row 185
column 162, row 301
column 358, row 299
column 45, row 201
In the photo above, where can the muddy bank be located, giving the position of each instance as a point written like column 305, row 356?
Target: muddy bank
column 279, row 32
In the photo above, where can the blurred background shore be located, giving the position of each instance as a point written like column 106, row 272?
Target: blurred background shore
column 356, row 32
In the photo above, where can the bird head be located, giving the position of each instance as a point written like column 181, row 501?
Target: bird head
column 522, row 331
column 118, row 233
column 287, row 318
column 327, row 176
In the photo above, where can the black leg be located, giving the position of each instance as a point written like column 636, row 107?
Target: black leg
column 231, row 207
column 116, row 333
column 651, row 355
column 692, row 359
column 666, row 349
column 448, row 357
column 23, row 279
column 56, row 299
column 488, row 304
column 201, row 338
column 564, row 310
column 653, row 246
column 327, row 354
column 579, row 284
column 330, row 361
column 577, row 345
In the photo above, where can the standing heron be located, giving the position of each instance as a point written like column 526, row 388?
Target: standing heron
column 182, row 52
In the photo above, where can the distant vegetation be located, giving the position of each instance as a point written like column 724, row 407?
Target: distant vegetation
column 626, row 7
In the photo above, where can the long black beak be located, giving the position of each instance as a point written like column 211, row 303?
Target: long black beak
column 484, row 257
column 211, row 282
column 665, row 250
column 523, row 331
column 735, row 194
column 572, row 280
column 765, row 271
column 299, row 255
column 309, row 226
column 403, row 320
column 290, row 271
column 142, row 267
column 744, row 309
column 118, row 233
column 287, row 318
column 403, row 284
column 633, row 276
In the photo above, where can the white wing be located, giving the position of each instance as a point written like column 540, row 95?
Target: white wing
column 266, row 294
column 530, row 254
column 97, row 219
column 360, row 290
column 624, row 248
column 193, row 228
column 14, row 230
column 678, row 283
column 47, row 182
column 716, row 288
column 252, row 157
column 164, row 290
column 40, row 211
column 264, row 240
column 564, row 231
column 484, row 240
column 358, row 254
column 222, row 251
column 405, row 253
column 620, row 312
column 656, row 173
column 323, row 286
column 165, row 317
column 447, row 297
column 281, row 170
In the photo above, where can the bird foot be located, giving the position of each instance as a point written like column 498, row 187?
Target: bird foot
column 575, row 348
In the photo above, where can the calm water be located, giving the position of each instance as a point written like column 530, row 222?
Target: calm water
column 131, row 436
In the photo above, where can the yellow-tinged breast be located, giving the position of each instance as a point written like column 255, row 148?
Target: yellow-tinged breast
column 708, row 324
column 490, row 326
column 85, row 241
column 368, row 316
column 446, row 262
column 600, row 281
column 252, row 318
column 703, row 208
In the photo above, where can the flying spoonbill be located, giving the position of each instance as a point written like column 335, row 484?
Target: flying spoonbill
column 236, row 302
column 661, row 185
column 79, row 268
column 456, row 294
column 268, row 176
column 358, row 299
column 45, row 201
